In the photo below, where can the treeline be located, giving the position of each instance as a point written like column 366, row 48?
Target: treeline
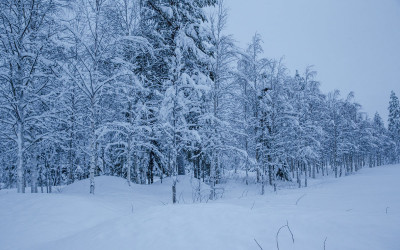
column 147, row 89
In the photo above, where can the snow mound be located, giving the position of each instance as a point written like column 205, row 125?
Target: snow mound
column 103, row 185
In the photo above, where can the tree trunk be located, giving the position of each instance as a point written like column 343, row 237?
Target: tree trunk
column 313, row 170
column 270, row 174
column 137, row 170
column 298, row 175
column 212, row 176
column 336, row 169
column 247, row 165
column 128, row 170
column 34, row 177
column 174, row 190
column 92, row 146
column 305, row 174
column 263, row 182
column 20, row 158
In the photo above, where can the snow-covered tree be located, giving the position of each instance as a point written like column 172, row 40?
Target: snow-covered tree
column 214, row 125
column 27, row 79
column 143, row 89
column 394, row 124
column 88, row 28
column 250, row 76
column 184, row 74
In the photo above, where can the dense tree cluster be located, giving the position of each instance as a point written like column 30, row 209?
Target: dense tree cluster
column 146, row 89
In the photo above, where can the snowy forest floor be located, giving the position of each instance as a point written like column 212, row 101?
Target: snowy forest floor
column 360, row 211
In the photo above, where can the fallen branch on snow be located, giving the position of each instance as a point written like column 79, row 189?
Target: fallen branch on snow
column 279, row 230
column 258, row 244
column 300, row 198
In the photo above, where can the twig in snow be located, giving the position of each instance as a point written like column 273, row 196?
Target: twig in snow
column 244, row 192
column 253, row 205
column 163, row 203
column 132, row 207
column 279, row 230
column 386, row 209
column 325, row 242
column 301, row 197
column 258, row 244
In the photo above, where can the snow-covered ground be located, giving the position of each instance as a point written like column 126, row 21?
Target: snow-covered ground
column 361, row 211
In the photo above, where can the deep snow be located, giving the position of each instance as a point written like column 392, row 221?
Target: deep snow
column 361, row 211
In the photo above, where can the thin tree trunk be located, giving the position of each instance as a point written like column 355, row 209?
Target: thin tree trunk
column 174, row 190
column 313, row 170
column 298, row 174
column 305, row 174
column 212, row 176
column 322, row 168
column 128, row 163
column 34, row 177
column 263, row 183
column 137, row 171
column 92, row 146
column 20, row 158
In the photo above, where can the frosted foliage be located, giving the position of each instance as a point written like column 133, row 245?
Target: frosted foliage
column 147, row 103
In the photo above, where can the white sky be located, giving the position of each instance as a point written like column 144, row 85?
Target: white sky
column 354, row 44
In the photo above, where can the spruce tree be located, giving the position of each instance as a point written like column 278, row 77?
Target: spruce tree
column 394, row 124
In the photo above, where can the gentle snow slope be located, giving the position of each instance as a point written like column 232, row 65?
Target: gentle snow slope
column 356, row 212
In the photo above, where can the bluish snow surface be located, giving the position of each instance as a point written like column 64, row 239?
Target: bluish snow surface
column 361, row 211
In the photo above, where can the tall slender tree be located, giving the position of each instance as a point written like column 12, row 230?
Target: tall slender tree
column 90, row 29
column 394, row 124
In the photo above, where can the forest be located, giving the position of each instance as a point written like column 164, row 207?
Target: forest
column 152, row 89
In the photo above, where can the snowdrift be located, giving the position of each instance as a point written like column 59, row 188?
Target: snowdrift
column 357, row 212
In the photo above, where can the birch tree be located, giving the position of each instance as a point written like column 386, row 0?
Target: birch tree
column 251, row 71
column 91, row 69
column 214, row 121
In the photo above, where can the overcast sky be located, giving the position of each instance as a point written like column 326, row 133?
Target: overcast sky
column 353, row 44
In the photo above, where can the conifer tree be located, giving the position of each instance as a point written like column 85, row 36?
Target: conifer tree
column 394, row 124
